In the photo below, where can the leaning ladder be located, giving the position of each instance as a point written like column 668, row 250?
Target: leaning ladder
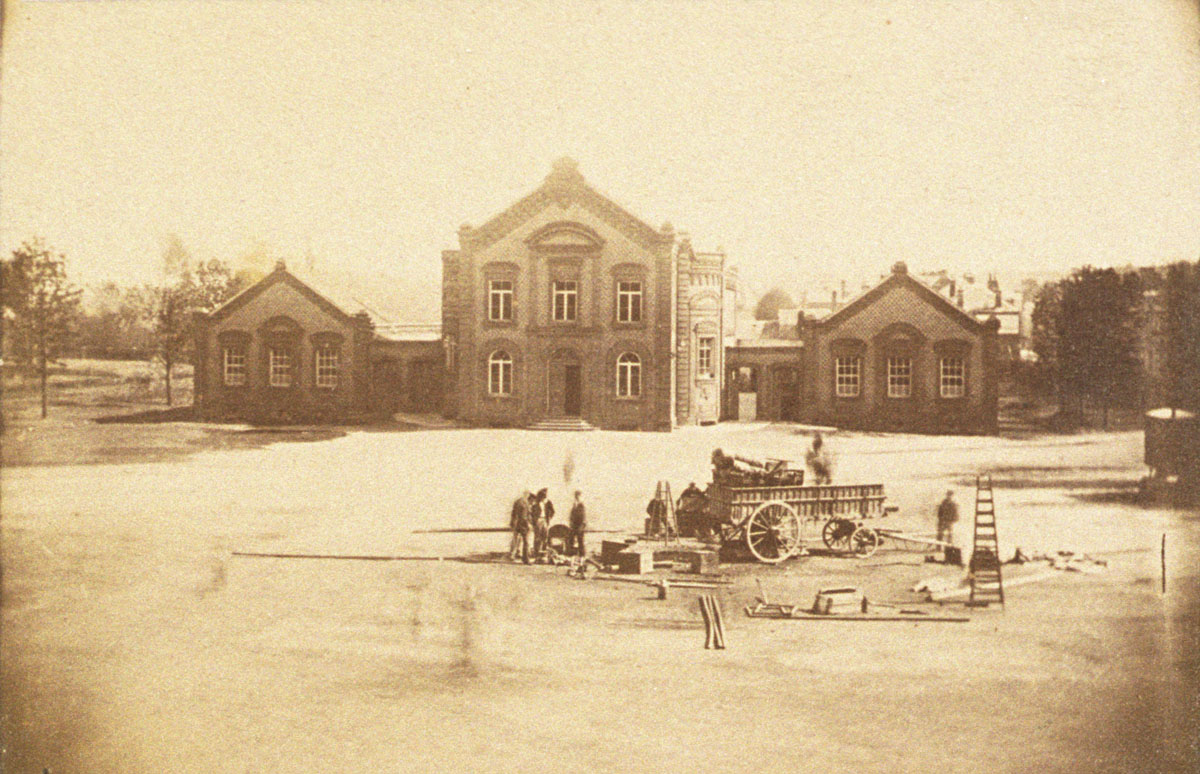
column 663, row 493
column 987, row 585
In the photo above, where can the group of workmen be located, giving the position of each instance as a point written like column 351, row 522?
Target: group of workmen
column 530, row 523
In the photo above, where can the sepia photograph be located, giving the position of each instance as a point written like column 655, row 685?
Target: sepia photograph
column 584, row 386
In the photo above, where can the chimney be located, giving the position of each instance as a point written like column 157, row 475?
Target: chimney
column 833, row 304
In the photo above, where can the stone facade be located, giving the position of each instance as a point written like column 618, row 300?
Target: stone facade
column 901, row 358
column 280, row 352
column 567, row 306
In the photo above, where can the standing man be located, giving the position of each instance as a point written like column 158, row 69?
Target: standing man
column 820, row 466
column 578, row 524
column 521, row 523
column 538, row 521
column 947, row 514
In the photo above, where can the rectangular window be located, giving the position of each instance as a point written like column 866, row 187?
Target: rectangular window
column 327, row 367
column 848, row 376
column 235, row 367
column 500, row 301
column 899, row 376
column 953, row 377
column 280, row 368
column 629, row 302
column 500, row 376
column 704, row 356
column 566, row 301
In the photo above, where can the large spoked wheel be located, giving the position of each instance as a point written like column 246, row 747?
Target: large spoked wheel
column 773, row 532
column 837, row 534
column 864, row 541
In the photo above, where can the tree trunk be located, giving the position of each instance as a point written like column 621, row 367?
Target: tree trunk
column 167, row 359
column 43, row 369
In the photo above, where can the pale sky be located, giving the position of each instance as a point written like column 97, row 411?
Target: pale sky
column 809, row 139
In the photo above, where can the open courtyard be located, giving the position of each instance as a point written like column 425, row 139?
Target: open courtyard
column 134, row 640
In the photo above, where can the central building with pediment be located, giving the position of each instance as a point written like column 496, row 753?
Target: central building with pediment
column 567, row 311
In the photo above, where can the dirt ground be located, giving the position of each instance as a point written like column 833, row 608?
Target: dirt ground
column 134, row 640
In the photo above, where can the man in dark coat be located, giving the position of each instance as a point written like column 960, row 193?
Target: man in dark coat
column 947, row 514
column 578, row 524
column 521, row 524
column 538, row 522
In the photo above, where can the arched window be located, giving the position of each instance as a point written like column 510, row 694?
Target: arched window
column 500, row 373
column 629, row 376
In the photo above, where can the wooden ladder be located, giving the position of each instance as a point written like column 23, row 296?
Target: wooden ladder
column 987, row 585
column 663, row 492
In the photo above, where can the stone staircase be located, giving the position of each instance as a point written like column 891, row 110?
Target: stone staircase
column 562, row 423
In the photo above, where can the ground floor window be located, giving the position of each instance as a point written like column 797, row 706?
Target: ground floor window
column 847, row 376
column 953, row 377
column 629, row 376
column 280, row 368
column 500, row 373
column 704, row 355
column 327, row 367
column 899, row 376
column 234, row 366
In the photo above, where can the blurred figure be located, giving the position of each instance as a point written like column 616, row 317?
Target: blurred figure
column 537, row 515
column 521, row 523
column 820, row 466
column 947, row 514
column 578, row 524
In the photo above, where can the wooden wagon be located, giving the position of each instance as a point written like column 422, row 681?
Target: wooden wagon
column 774, row 522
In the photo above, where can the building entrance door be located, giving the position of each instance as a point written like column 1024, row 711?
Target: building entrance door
column 572, row 390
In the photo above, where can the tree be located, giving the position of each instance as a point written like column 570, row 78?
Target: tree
column 1182, row 334
column 110, row 327
column 168, row 306
column 216, row 283
column 1044, row 337
column 1092, row 344
column 40, row 308
column 769, row 305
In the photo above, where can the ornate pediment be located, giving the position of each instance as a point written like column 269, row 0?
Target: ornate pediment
column 563, row 188
column 565, row 234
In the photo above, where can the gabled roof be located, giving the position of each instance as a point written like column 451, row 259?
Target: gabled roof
column 564, row 186
column 280, row 274
column 901, row 278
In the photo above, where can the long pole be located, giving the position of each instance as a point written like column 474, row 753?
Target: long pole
column 1163, row 556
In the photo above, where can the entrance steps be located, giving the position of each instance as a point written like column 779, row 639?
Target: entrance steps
column 562, row 423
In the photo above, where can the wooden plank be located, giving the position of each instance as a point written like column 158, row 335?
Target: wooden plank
column 355, row 557
column 851, row 617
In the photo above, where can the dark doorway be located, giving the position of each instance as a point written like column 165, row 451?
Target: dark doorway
column 787, row 382
column 573, row 391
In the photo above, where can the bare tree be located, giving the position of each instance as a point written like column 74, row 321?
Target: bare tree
column 40, row 308
column 167, row 307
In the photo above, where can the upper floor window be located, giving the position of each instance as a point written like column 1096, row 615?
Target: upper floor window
column 629, row 376
column 565, row 303
column 327, row 366
column 899, row 377
column 280, row 368
column 500, row 300
column 629, row 301
column 953, row 377
column 847, row 376
column 234, row 366
column 500, row 373
column 704, row 355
